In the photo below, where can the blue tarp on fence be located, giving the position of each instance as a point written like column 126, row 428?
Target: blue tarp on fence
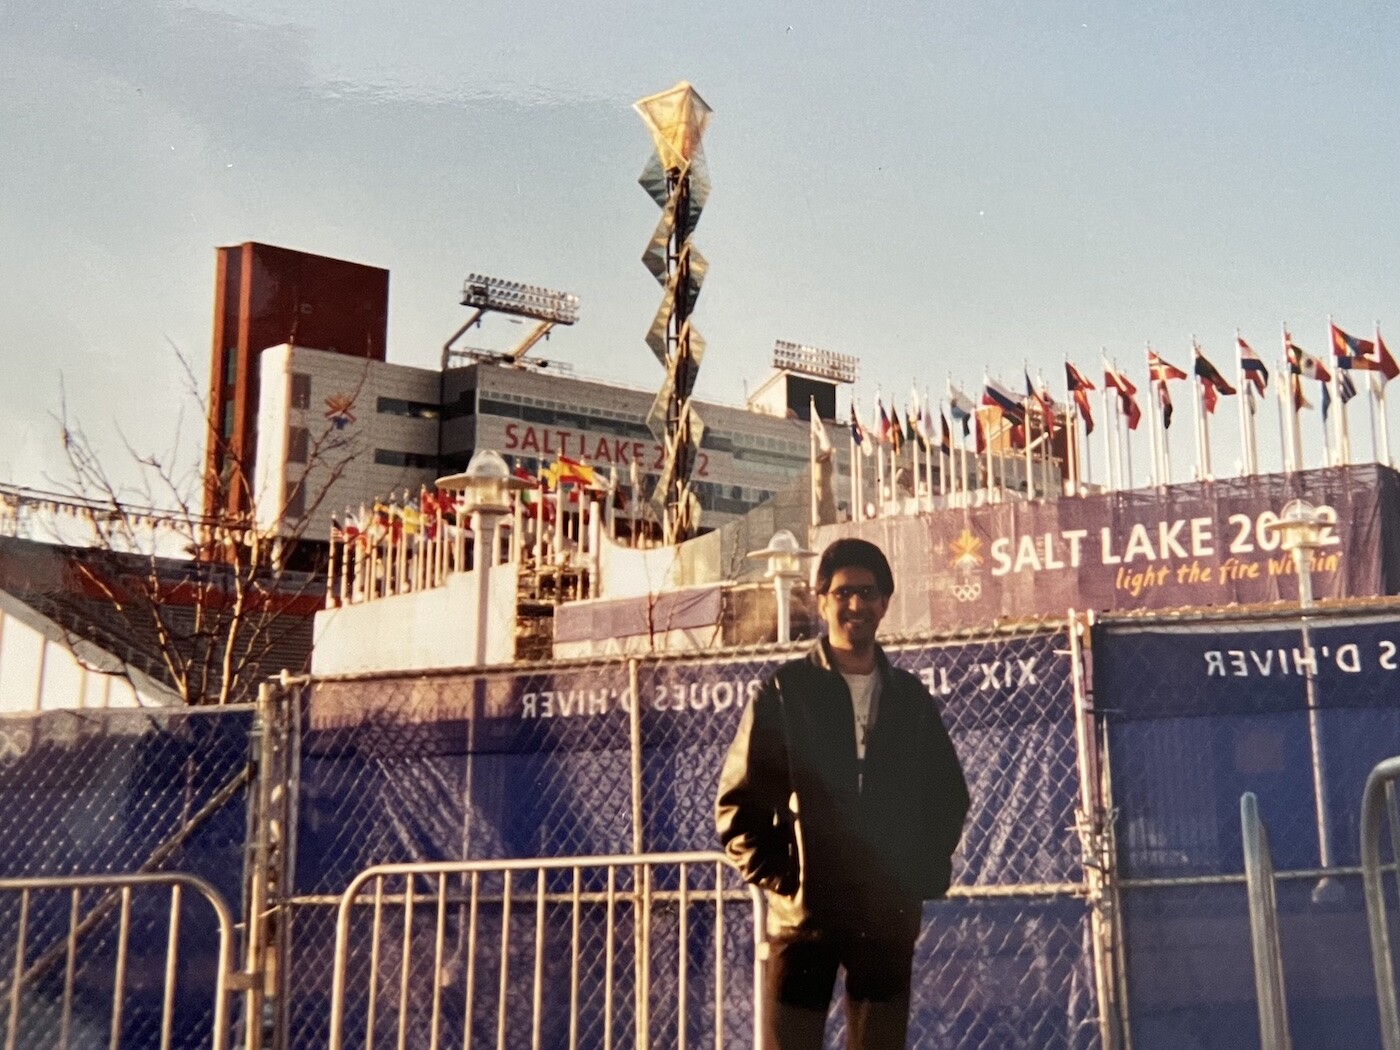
column 1197, row 716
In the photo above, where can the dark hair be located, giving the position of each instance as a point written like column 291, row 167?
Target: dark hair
column 854, row 554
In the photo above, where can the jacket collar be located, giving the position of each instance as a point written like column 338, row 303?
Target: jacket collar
column 820, row 656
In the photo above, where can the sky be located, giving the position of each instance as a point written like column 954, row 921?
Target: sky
column 936, row 188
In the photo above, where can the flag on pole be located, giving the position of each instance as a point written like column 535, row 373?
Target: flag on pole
column 565, row 472
column 1160, row 370
column 1252, row 367
column 1038, row 393
column 961, row 407
column 896, row 431
column 1213, row 384
column 945, row 439
column 1303, row 363
column 926, row 420
column 997, row 396
column 859, row 434
column 1352, row 352
column 1346, row 388
column 1079, row 388
column 1388, row 367
column 882, row 422
column 1127, row 394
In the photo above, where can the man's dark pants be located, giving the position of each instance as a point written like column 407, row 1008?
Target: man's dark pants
column 798, row 981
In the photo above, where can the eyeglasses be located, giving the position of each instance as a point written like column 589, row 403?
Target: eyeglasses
column 867, row 594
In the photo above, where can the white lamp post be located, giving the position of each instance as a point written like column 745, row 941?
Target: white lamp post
column 1301, row 528
column 785, row 567
column 486, row 487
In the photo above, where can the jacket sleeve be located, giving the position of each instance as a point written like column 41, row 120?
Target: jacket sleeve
column 751, row 808
column 945, row 799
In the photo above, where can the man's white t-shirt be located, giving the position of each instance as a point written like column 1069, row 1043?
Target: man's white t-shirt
column 862, row 688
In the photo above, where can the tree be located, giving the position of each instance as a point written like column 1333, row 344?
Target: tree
column 209, row 598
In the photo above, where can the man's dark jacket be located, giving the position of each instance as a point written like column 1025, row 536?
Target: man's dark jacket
column 790, row 815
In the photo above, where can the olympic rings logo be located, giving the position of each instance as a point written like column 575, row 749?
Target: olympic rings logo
column 14, row 745
column 967, row 592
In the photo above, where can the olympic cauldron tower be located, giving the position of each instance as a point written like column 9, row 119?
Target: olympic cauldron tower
column 676, row 178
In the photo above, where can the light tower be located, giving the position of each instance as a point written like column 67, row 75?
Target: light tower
column 676, row 179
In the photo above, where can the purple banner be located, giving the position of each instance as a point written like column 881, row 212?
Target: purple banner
column 1208, row 543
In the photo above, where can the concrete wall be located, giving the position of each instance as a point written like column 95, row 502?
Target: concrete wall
column 42, row 669
column 413, row 632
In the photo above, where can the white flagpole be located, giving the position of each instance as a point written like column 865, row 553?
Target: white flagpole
column 1202, row 433
column 1113, row 468
column 1378, row 390
column 1247, row 461
column 1371, row 416
column 855, row 465
column 1338, row 406
column 1154, row 404
column 1381, row 384
column 945, row 457
column 1087, row 476
column 879, row 439
column 1285, row 446
column 812, row 459
column 1166, row 444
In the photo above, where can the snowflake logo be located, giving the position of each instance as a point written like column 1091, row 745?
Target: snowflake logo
column 338, row 410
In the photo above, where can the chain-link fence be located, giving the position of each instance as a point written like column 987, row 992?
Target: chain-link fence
column 1098, row 892
column 1195, row 713
column 624, row 757
column 118, row 792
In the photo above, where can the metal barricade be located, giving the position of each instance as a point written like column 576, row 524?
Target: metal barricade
column 1263, row 928
column 1379, row 797
column 513, row 946
column 85, row 953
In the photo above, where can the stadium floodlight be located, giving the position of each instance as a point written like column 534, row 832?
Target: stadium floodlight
column 808, row 360
column 523, row 300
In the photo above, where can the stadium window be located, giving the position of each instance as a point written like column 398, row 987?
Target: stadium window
column 397, row 406
column 298, row 444
column 226, row 427
column 301, row 390
column 388, row 457
column 231, row 366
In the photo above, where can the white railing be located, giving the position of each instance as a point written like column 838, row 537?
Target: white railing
column 409, row 937
column 416, row 545
column 1378, row 799
column 1263, row 928
column 74, row 937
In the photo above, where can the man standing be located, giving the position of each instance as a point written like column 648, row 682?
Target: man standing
column 842, row 797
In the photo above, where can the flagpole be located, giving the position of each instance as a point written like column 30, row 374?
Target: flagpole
column 1202, row 435
column 851, row 443
column 1385, row 422
column 1112, row 467
column 1087, row 476
column 1371, row 417
column 1247, row 464
column 812, row 458
column 1379, row 391
column 1154, row 404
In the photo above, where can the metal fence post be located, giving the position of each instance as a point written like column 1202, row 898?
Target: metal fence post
column 1094, row 821
column 1372, row 802
column 641, row 876
column 266, row 872
column 1263, row 928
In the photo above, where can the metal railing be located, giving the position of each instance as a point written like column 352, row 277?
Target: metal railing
column 452, row 953
column 1263, row 928
column 91, row 944
column 1378, row 798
